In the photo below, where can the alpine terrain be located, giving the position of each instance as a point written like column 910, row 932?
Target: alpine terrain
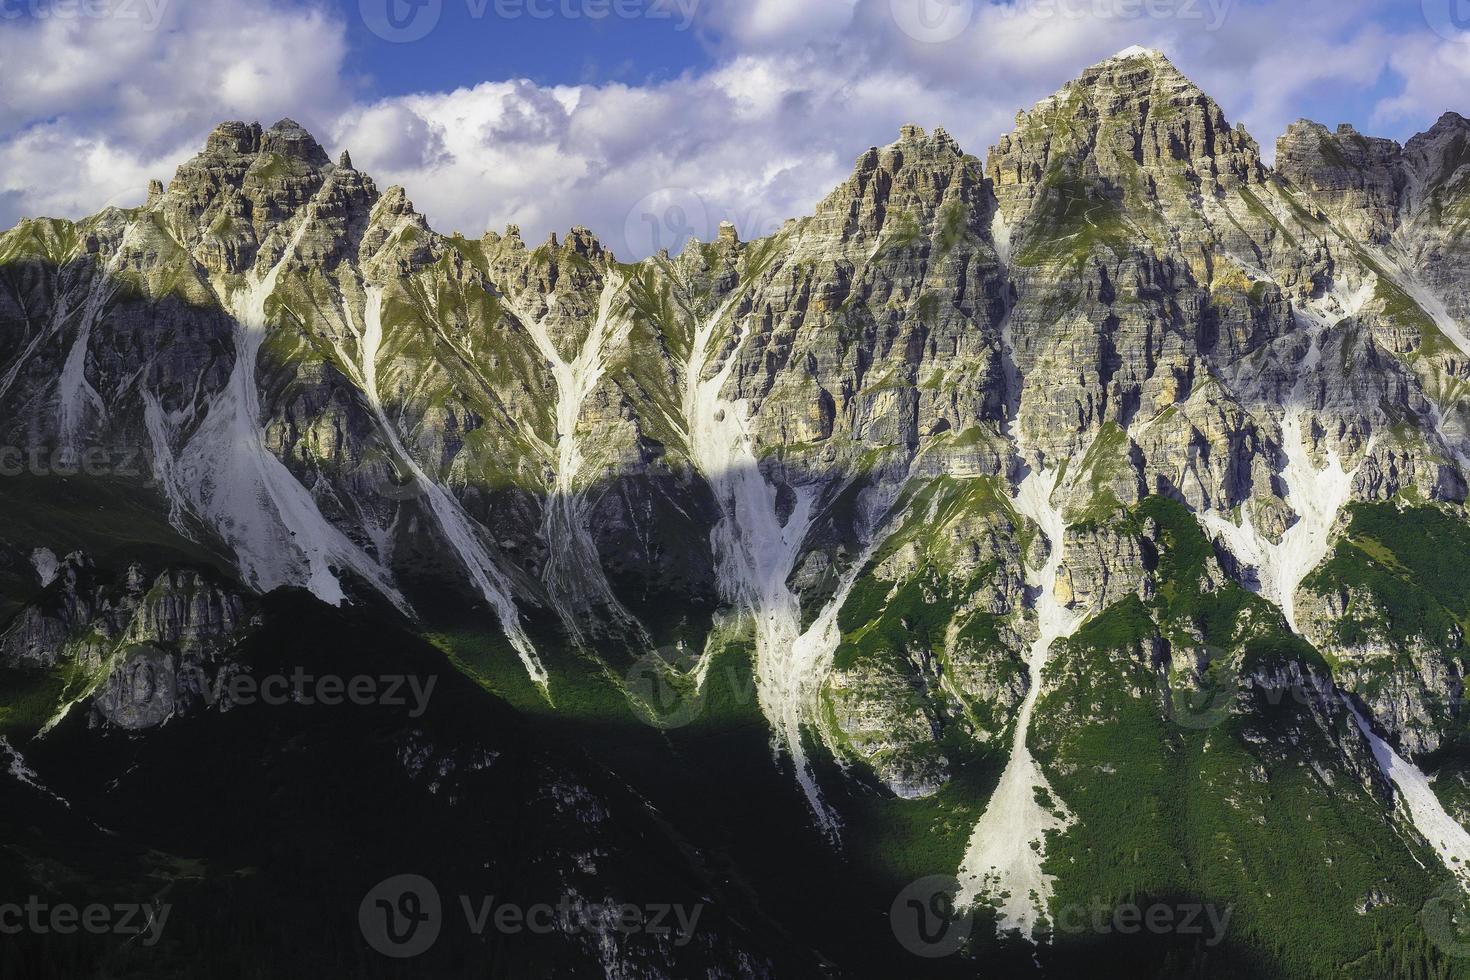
column 1053, row 565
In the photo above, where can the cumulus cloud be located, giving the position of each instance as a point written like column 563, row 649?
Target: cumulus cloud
column 1436, row 75
column 93, row 106
column 792, row 94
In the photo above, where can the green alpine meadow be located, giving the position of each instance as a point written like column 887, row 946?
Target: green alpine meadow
column 1047, row 564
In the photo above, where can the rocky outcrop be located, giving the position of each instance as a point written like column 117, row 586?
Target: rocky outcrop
column 143, row 647
column 1356, row 179
column 1122, row 291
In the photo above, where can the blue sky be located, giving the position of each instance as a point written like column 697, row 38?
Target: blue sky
column 465, row 49
column 551, row 113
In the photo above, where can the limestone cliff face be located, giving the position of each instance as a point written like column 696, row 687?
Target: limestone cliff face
column 826, row 426
column 1416, row 689
column 141, row 648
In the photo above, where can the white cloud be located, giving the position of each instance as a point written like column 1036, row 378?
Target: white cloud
column 93, row 106
column 1436, row 75
column 796, row 92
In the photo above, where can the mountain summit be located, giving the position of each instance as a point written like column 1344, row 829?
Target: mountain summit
column 1083, row 522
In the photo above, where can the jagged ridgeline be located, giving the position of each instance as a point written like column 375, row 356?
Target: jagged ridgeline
column 1086, row 523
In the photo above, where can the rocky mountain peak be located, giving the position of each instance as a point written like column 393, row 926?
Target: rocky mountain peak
column 290, row 139
column 1139, row 51
column 234, row 137
column 1449, row 122
column 1438, row 155
column 913, row 175
column 583, row 242
column 394, row 203
column 248, row 183
column 1354, row 178
column 1132, row 127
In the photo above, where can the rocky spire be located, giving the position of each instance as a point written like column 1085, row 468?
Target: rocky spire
column 233, row 137
column 1356, row 179
column 290, row 139
column 245, row 184
column 1133, row 123
column 914, row 175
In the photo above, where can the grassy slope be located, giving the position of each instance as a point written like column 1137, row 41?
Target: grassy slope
column 1239, row 813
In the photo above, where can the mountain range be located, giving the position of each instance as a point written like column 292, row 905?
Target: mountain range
column 1078, row 529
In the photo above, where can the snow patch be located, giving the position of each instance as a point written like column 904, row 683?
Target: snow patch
column 1137, row 51
column 457, row 526
column 1002, row 864
column 574, row 576
column 757, row 552
column 228, row 476
column 47, row 565
column 1316, row 495
column 1449, row 840
column 15, row 764
column 1000, row 236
